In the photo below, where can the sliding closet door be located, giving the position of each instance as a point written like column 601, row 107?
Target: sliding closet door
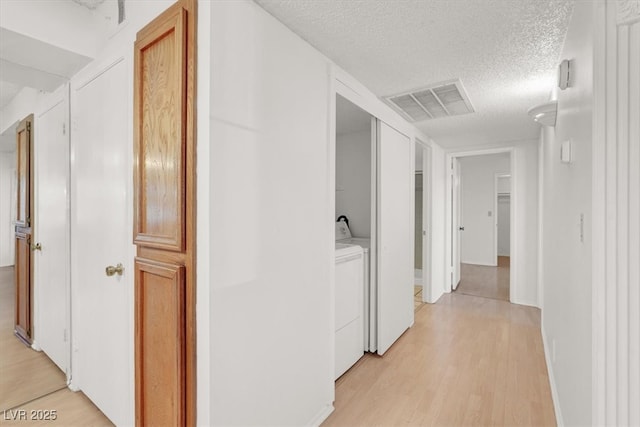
column 395, row 236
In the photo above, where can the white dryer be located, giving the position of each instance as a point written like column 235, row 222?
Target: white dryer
column 370, row 294
column 349, row 274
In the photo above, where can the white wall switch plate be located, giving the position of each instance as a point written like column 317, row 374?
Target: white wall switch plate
column 566, row 152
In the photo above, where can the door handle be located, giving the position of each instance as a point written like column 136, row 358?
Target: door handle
column 461, row 228
column 36, row 247
column 111, row 270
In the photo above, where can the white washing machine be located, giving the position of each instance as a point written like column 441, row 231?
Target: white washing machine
column 348, row 306
column 370, row 294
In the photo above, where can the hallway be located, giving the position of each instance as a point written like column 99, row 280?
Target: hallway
column 485, row 281
column 466, row 361
column 29, row 380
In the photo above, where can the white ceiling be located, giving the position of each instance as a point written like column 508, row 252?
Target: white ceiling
column 504, row 51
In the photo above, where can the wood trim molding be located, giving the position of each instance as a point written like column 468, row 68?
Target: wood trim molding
column 159, row 134
column 172, row 243
column 628, row 11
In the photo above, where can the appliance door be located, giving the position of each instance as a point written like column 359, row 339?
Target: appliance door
column 395, row 236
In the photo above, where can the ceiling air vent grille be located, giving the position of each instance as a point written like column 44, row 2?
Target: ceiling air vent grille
column 439, row 100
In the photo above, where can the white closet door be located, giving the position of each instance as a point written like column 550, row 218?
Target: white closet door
column 52, row 229
column 395, row 236
column 456, row 223
column 102, row 206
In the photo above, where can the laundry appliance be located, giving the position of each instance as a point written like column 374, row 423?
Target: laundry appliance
column 370, row 295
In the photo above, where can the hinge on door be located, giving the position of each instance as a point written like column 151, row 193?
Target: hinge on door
column 65, row 335
column 64, row 128
column 28, row 126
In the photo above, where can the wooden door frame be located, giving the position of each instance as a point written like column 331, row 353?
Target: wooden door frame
column 25, row 228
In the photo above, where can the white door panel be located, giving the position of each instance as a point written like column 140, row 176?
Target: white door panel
column 426, row 224
column 52, row 299
column 395, row 236
column 456, row 209
column 103, row 333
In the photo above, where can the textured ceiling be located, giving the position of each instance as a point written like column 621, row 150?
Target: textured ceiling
column 504, row 51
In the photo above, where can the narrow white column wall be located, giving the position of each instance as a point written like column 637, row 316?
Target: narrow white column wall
column 566, row 245
column 271, row 246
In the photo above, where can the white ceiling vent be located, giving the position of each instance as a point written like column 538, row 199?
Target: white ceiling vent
column 439, row 100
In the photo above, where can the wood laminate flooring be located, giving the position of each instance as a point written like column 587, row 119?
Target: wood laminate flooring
column 467, row 361
column 30, row 380
column 417, row 297
column 484, row 281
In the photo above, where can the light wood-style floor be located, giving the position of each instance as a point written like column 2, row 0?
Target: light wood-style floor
column 29, row 380
column 487, row 282
column 417, row 297
column 467, row 361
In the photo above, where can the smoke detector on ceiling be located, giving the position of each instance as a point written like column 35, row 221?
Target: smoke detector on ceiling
column 438, row 100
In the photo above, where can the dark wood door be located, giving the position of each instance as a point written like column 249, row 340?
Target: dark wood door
column 23, row 264
column 164, row 225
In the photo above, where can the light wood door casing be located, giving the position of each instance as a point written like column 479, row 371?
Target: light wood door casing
column 160, row 308
column 24, row 145
column 164, row 212
column 23, row 289
column 160, row 149
column 24, row 274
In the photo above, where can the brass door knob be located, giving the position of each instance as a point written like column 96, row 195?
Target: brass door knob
column 36, row 247
column 111, row 270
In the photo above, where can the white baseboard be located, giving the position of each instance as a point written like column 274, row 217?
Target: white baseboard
column 524, row 302
column 479, row 263
column 321, row 416
column 552, row 379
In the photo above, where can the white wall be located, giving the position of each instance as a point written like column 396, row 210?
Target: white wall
column 504, row 216
column 7, row 202
column 478, row 200
column 64, row 24
column 353, row 180
column 437, row 229
column 18, row 108
column 566, row 192
column 418, row 202
column 270, row 231
column 524, row 219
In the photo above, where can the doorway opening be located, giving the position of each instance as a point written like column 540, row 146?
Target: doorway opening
column 422, row 217
column 481, row 226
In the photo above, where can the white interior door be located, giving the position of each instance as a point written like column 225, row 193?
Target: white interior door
column 395, row 235
column 102, row 176
column 426, row 222
column 52, row 292
column 456, row 209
